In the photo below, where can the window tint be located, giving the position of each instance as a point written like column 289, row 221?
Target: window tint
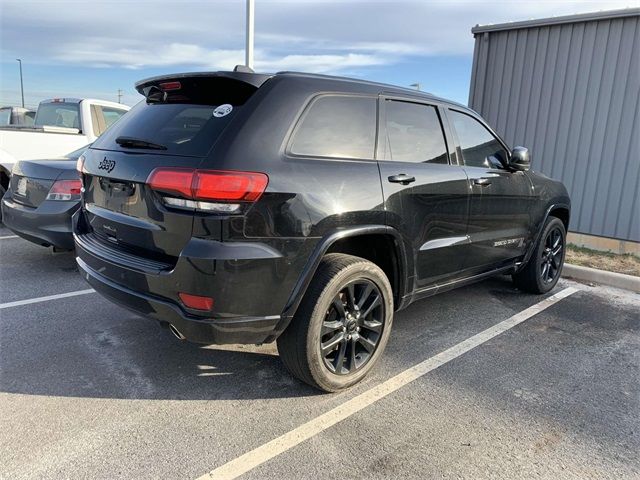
column 479, row 147
column 337, row 126
column 187, row 120
column 58, row 114
column 184, row 129
column 414, row 133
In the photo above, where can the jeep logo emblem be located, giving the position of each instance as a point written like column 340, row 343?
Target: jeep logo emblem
column 107, row 165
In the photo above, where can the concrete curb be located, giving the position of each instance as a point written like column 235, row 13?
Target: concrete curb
column 612, row 279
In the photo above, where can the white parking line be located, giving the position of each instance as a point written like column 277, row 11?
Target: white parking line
column 6, row 237
column 45, row 299
column 275, row 447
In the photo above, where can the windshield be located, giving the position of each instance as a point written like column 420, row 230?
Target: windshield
column 58, row 114
column 5, row 117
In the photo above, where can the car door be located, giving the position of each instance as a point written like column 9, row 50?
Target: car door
column 426, row 197
column 499, row 212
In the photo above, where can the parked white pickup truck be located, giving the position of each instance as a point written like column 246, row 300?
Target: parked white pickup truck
column 61, row 125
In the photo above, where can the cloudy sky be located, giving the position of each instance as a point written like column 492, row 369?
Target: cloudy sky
column 95, row 47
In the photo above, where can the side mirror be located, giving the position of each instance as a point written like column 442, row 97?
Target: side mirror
column 520, row 159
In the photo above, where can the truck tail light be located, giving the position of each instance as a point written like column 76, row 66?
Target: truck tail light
column 65, row 190
column 211, row 190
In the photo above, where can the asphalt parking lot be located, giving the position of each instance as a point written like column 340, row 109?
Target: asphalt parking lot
column 88, row 390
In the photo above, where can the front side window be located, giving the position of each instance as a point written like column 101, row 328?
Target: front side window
column 337, row 126
column 414, row 133
column 479, row 147
column 58, row 114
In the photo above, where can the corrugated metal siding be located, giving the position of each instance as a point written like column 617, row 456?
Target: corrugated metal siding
column 570, row 93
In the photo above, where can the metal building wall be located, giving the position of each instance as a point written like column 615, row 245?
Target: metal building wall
column 568, row 89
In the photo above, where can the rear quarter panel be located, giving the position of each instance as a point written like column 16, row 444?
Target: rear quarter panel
column 307, row 198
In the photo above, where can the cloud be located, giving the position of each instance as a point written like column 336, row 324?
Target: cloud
column 323, row 36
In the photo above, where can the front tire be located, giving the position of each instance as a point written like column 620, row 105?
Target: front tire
column 342, row 325
column 543, row 269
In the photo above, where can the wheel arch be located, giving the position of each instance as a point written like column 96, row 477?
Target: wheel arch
column 350, row 241
column 558, row 210
column 562, row 212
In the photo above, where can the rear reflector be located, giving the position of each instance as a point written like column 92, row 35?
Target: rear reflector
column 209, row 185
column 65, row 190
column 196, row 301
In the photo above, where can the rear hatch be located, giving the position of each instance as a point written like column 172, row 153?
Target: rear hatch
column 175, row 127
column 32, row 181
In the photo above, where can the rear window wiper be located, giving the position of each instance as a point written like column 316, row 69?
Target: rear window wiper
column 131, row 142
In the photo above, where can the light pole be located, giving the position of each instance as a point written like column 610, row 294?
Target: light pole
column 249, row 43
column 21, row 85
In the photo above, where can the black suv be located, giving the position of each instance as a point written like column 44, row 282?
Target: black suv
column 237, row 207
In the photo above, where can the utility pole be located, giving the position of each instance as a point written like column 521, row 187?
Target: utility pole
column 21, row 84
column 249, row 43
column 416, row 86
column 120, row 93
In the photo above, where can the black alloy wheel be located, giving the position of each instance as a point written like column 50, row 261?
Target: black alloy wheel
column 352, row 327
column 551, row 260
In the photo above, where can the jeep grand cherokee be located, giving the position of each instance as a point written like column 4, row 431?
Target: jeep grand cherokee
column 237, row 207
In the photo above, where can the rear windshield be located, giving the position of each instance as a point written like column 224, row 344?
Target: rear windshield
column 58, row 114
column 186, row 121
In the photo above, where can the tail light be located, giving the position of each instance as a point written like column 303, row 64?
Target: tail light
column 65, row 190
column 211, row 190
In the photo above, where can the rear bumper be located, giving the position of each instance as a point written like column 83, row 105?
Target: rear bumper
column 48, row 224
column 194, row 329
column 249, row 283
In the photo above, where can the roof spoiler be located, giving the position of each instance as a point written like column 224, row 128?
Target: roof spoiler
column 239, row 74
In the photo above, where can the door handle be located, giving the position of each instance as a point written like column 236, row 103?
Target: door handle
column 481, row 181
column 402, row 178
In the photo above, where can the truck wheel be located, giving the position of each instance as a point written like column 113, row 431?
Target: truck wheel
column 545, row 265
column 342, row 325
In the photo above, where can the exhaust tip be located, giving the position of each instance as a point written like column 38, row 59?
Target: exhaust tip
column 176, row 332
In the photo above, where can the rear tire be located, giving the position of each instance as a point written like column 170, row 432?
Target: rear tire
column 341, row 326
column 543, row 269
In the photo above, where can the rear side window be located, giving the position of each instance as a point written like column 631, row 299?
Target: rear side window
column 479, row 147
column 414, row 133
column 184, row 121
column 337, row 126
